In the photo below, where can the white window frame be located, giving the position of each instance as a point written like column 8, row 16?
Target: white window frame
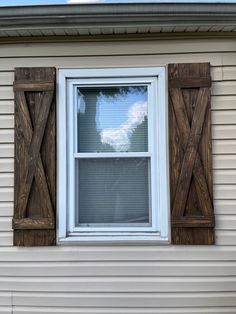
column 69, row 80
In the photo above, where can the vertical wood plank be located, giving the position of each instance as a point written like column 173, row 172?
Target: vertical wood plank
column 35, row 157
column 190, row 154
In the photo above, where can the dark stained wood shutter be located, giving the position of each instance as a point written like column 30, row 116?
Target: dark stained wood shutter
column 35, row 157
column 192, row 218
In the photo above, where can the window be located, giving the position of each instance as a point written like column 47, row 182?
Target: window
column 112, row 155
column 121, row 195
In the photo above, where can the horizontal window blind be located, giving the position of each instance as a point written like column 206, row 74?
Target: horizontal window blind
column 113, row 190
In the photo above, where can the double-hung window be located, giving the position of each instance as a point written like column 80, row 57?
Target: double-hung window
column 112, row 155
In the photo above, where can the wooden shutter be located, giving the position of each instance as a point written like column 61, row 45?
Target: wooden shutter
column 35, row 155
column 192, row 218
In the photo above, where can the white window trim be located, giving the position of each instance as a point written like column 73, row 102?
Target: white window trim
column 69, row 80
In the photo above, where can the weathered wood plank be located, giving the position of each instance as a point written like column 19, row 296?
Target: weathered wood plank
column 34, row 86
column 190, row 155
column 35, row 157
column 190, row 145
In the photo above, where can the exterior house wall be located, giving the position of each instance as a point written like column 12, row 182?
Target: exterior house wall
column 135, row 278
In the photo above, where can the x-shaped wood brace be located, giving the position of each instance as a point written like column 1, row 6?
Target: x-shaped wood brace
column 33, row 141
column 191, row 164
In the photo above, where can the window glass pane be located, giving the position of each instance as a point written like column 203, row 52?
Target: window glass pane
column 113, row 191
column 112, row 119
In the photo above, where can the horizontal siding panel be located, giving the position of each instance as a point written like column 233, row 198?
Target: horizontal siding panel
column 224, row 147
column 229, row 59
column 113, row 310
column 224, row 192
column 6, row 194
column 6, row 136
column 6, row 121
column 117, row 47
column 224, row 132
column 109, row 61
column 6, row 179
column 224, row 161
column 224, row 117
column 6, row 209
column 227, row 207
column 116, row 253
column 223, row 176
column 226, row 222
column 6, row 92
column 6, row 107
column 6, row 239
column 119, row 284
column 6, row 78
column 223, row 102
column 6, row 310
column 224, row 88
column 6, row 150
column 216, row 74
column 123, row 300
column 105, row 269
column 5, row 223
column 226, row 237
column 229, row 73
column 6, row 164
column 5, row 298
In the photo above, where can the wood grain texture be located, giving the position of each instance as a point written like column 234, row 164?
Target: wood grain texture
column 35, row 159
column 190, row 154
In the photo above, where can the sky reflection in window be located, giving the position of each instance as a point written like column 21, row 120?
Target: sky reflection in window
column 112, row 119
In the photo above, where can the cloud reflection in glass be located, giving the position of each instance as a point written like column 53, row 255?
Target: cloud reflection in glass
column 112, row 119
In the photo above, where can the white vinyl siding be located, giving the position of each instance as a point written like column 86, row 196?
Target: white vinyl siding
column 133, row 279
